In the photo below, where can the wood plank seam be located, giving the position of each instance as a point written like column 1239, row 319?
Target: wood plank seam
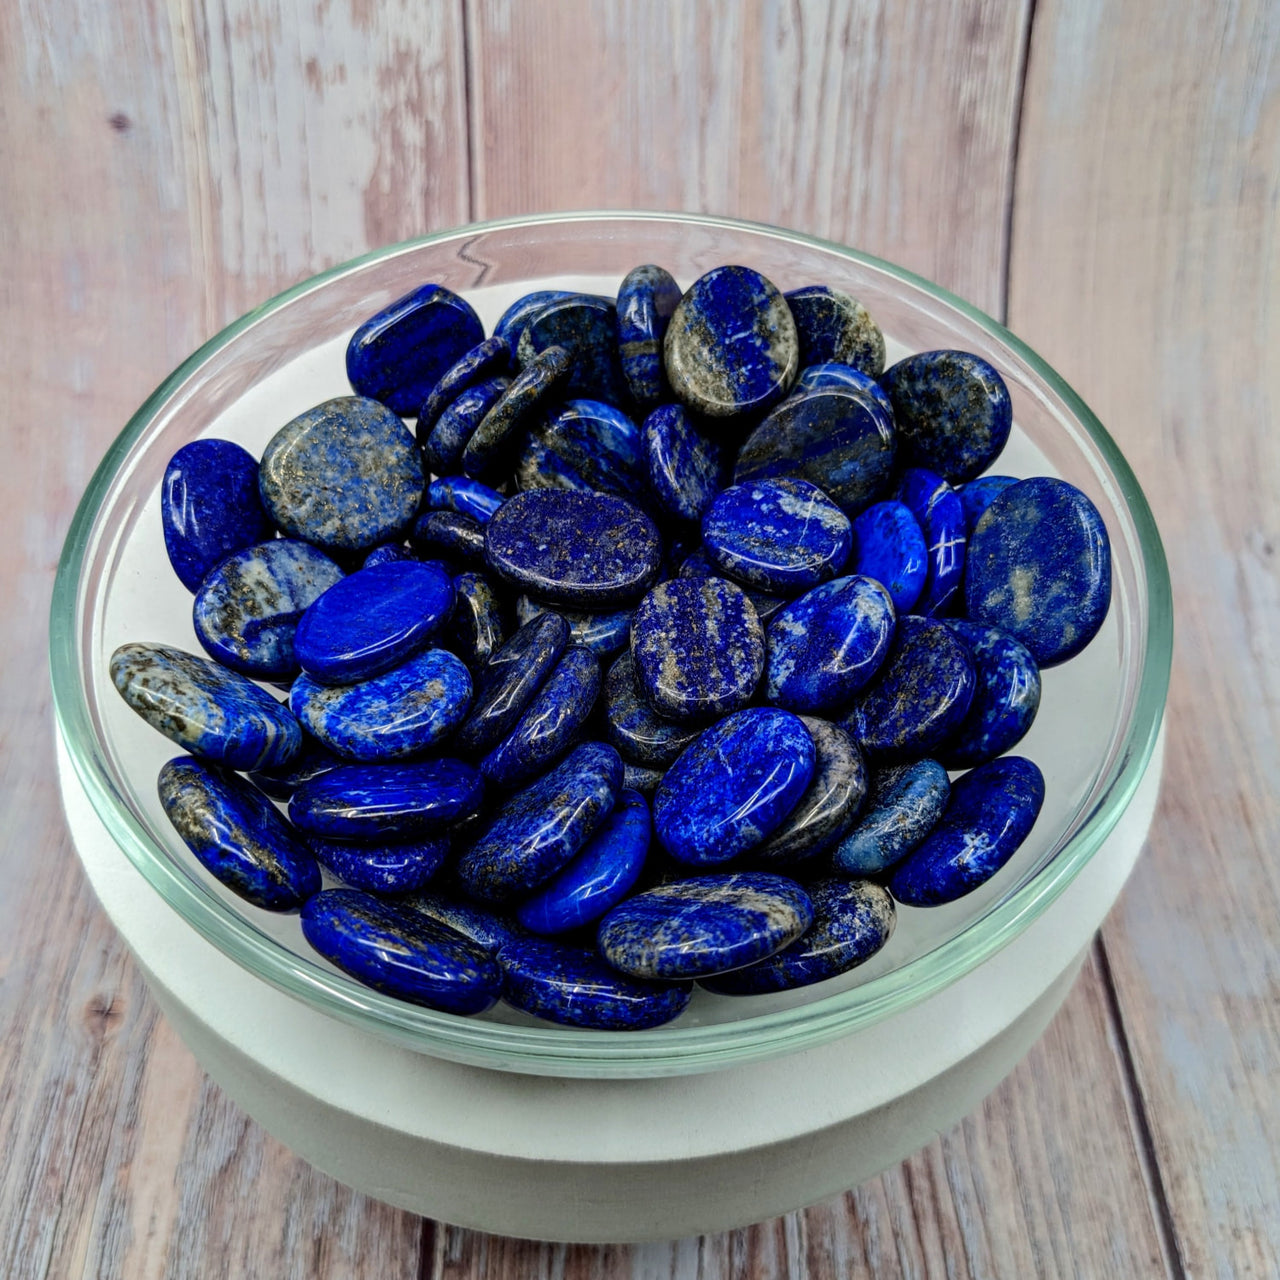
column 1024, row 58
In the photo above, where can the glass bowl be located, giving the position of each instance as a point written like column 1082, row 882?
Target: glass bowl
column 1093, row 737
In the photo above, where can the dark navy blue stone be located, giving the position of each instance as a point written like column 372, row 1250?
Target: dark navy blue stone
column 638, row 777
column 584, row 444
column 904, row 805
column 731, row 346
column 937, row 510
column 832, row 374
column 490, row 930
column 631, row 724
column 991, row 812
column 591, row 550
column 646, row 299
column 978, row 495
column 247, row 610
column 398, row 355
column 382, row 868
column 387, row 801
column 282, row 780
column 852, row 920
column 451, row 536
column 576, row 988
column 344, row 476
column 698, row 647
column 487, row 359
column 238, row 835
column 204, row 708
column 444, row 444
column 551, row 723
column 833, row 327
column 401, row 954
column 697, row 564
column 824, row 647
column 587, row 328
column 1005, row 701
column 703, row 925
column 603, row 633
column 477, row 629
column 889, row 546
column 209, row 507
column 465, row 496
column 601, row 875
column 952, row 412
column 499, row 435
column 685, row 466
column 736, row 783
column 512, row 322
column 539, row 830
column 388, row 553
column 1040, row 568
column 839, row 439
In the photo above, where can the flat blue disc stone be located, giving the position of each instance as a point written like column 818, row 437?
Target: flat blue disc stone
column 1040, row 568
column 539, row 830
column 1005, row 701
column 646, row 298
column 387, row 801
column 599, row 877
column 398, row 355
column 344, row 476
column 603, row 633
column 937, row 510
column 443, row 445
column 639, row 733
column 497, row 437
column 698, row 648
column 477, row 629
column 238, row 835
column 451, row 536
column 834, row 327
column 952, row 411
column 382, row 868
column 698, row 565
column 587, row 328
column 685, row 467
column 489, row 930
column 904, row 805
column 247, row 610
column 465, row 496
column 204, row 708
column 704, row 925
column 991, row 812
column 209, row 507
column 733, row 786
column 401, row 954
column 513, row 320
column 487, row 359
column 834, row 374
column 282, row 780
column 576, row 988
column 584, row 444
column 889, row 546
column 561, row 546
column 823, row 648
column 372, row 621
column 978, row 495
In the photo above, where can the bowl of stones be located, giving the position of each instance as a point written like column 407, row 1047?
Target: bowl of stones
column 611, row 644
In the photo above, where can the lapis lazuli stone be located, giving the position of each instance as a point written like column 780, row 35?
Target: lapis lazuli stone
column 734, row 785
column 204, row 708
column 632, row 725
column 599, row 877
column 904, row 805
column 889, row 546
column 978, row 495
column 852, row 920
column 490, row 930
column 575, row 987
column 991, row 812
column 839, row 439
column 247, row 609
column 280, row 781
column 834, row 327
column 372, row 621
column 1005, row 700
column 646, row 299
column 584, row 444
column 539, row 830
column 591, row 550
column 238, row 835
column 498, row 434
column 398, row 355
column 833, row 374
column 698, row 565
column 465, row 496
column 456, row 538
column 210, row 507
column 952, row 411
column 824, row 647
column 382, row 868
column 937, row 510
column 731, row 346
column 685, row 466
column 488, row 359
column 345, row 475
column 698, row 648
column 443, row 445
column 641, row 778
column 401, row 954
column 603, row 633
column 1040, row 568
column 477, row 629
column 703, row 925
column 387, row 801
column 388, row 553
column 513, row 320
column 586, row 326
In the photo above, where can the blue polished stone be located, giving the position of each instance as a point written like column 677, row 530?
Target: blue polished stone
column 889, row 546
column 704, row 925
column 823, row 648
column 698, row 565
column 603, row 633
column 586, row 326
column 539, row 830
column 1040, row 568
column 991, row 812
column 561, row 546
column 698, row 648
column 833, row 327
column 599, row 877
column 952, row 412
column 641, row 778
column 401, row 954
column 205, row 708
column 978, row 495
column 733, row 786
column 388, row 553
column 646, row 298
column 833, row 374
column 487, row 359
column 344, row 476
column 512, row 322
column 444, row 444
column 631, row 724
column 465, row 496
column 477, row 629
column 490, row 930
column 937, row 510
column 382, row 868
column 1005, row 701
column 280, row 781
column 210, row 507
column 238, row 835
column 904, row 805
column 398, row 355
column 499, row 436
column 685, row 467
column 372, row 621
column 387, row 801
column 584, row 444
column 451, row 536
column 834, row 437
column 550, row 724
column 247, row 610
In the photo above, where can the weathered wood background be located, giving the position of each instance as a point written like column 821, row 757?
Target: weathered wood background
column 1103, row 173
